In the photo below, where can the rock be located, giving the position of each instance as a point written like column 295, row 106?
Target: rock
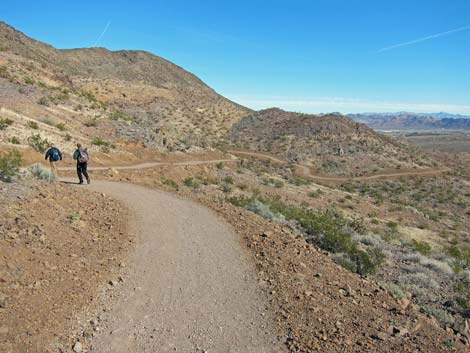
column 266, row 234
column 113, row 283
column 380, row 336
column 77, row 347
column 308, row 293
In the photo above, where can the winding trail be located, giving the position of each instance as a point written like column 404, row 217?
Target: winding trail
column 189, row 286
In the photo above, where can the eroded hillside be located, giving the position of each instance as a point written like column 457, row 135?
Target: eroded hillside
column 331, row 144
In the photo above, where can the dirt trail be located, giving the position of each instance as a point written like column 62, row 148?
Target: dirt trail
column 305, row 170
column 190, row 286
column 147, row 165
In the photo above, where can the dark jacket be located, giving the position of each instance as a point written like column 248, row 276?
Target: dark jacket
column 49, row 153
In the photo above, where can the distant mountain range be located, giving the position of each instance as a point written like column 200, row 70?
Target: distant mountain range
column 413, row 121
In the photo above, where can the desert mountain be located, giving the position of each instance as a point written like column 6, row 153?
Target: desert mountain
column 95, row 93
column 330, row 143
column 413, row 121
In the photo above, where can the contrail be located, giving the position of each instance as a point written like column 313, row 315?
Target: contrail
column 102, row 33
column 424, row 38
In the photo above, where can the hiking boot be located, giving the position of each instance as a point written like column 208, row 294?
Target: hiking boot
column 80, row 182
column 88, row 181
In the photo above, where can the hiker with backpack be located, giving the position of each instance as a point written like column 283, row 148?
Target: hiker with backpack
column 54, row 155
column 81, row 156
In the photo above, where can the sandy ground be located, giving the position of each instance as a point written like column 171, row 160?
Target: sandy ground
column 190, row 287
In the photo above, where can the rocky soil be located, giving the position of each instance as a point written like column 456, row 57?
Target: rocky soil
column 58, row 245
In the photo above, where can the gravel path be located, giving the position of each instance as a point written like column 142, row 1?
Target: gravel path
column 190, row 286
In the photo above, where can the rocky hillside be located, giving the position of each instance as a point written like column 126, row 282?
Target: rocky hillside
column 105, row 96
column 412, row 121
column 332, row 144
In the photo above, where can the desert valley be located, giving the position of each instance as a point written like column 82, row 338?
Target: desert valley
column 323, row 232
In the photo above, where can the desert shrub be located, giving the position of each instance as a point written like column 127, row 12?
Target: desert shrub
column 443, row 316
column 298, row 181
column 120, row 115
column 68, row 137
column 239, row 201
column 88, row 95
column 192, row 183
column 43, row 101
column 264, row 211
column 98, row 141
column 220, row 165
column 392, row 225
column 49, row 121
column 394, row 290
column 315, row 193
column 5, row 122
column 242, row 187
column 461, row 254
column 9, row 165
column 421, row 247
column 32, row 125
column 170, row 183
column 38, row 171
column 14, row 140
column 37, row 143
column 61, row 126
column 74, row 216
column 28, row 81
column 226, row 188
column 3, row 71
column 418, row 279
column 91, row 123
column 228, row 180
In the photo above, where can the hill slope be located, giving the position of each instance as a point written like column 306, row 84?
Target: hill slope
column 332, row 144
column 121, row 95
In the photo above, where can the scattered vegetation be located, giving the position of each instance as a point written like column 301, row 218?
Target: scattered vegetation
column 61, row 126
column 328, row 230
column 32, row 125
column 74, row 216
column 38, row 144
column 14, row 140
column 170, row 183
column 5, row 122
column 120, row 115
column 91, row 123
column 9, row 165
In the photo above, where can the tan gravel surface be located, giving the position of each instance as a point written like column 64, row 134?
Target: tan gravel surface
column 190, row 285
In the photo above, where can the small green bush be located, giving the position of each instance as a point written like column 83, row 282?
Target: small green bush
column 220, row 165
column 170, row 183
column 32, row 124
column 192, row 183
column 38, row 144
column 120, row 115
column 228, row 180
column 9, row 165
column 14, row 140
column 5, row 122
column 88, row 95
column 68, row 137
column 29, row 81
column 98, row 141
column 74, row 216
column 43, row 101
column 421, row 247
column 61, row 126
column 91, row 123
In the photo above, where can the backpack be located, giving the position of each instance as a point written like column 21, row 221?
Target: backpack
column 55, row 155
column 82, row 156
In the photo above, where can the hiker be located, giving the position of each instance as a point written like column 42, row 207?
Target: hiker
column 54, row 155
column 81, row 155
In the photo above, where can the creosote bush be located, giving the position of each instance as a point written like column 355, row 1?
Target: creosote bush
column 328, row 230
column 5, row 122
column 38, row 144
column 9, row 165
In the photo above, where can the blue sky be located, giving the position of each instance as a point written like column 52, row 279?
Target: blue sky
column 311, row 56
